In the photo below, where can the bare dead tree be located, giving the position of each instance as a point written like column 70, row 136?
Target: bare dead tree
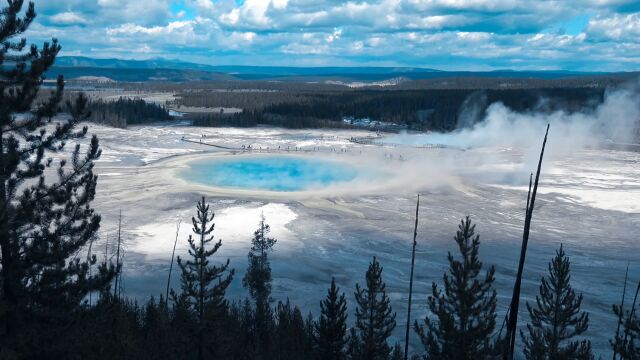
column 515, row 299
column 413, row 259
column 90, row 263
column 118, row 266
column 624, row 292
column 631, row 315
column 106, row 249
column 171, row 264
column 506, row 317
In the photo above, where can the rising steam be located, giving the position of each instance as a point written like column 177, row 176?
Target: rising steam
column 615, row 120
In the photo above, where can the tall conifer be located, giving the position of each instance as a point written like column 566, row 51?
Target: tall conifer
column 331, row 328
column 556, row 318
column 375, row 319
column 258, row 280
column 465, row 313
column 43, row 223
column 203, row 285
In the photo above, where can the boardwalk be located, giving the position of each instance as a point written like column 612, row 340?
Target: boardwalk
column 265, row 149
column 360, row 141
column 371, row 140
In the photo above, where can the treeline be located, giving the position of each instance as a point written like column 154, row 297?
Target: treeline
column 251, row 118
column 442, row 80
column 426, row 110
column 436, row 110
column 125, row 111
column 196, row 321
column 246, row 100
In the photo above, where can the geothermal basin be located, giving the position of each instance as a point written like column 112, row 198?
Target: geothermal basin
column 333, row 208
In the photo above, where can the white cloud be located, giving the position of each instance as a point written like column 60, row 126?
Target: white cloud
column 255, row 12
column 68, row 18
column 146, row 49
column 280, row 4
column 464, row 34
column 617, row 28
column 231, row 18
column 205, row 4
column 438, row 21
column 374, row 41
column 473, row 36
column 248, row 36
column 304, row 49
column 184, row 32
column 557, row 41
column 109, row 3
column 334, row 36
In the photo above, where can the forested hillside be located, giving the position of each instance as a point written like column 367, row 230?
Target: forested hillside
column 124, row 111
column 438, row 110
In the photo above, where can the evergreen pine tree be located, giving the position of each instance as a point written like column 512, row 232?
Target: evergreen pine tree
column 258, row 280
column 183, row 324
column 290, row 336
column 374, row 318
column 466, row 311
column 43, row 224
column 397, row 353
column 155, row 331
column 556, row 318
column 247, row 341
column 331, row 328
column 310, row 335
column 353, row 345
column 627, row 344
column 203, row 285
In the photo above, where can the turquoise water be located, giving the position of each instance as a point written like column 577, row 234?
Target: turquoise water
column 274, row 173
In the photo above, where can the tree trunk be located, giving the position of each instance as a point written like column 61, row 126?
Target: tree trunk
column 515, row 299
column 201, row 290
column 413, row 259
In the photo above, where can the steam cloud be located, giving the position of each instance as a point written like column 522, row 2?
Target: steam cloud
column 615, row 120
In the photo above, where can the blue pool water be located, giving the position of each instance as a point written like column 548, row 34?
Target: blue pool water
column 274, row 173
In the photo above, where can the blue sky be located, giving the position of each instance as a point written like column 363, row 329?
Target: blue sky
column 584, row 35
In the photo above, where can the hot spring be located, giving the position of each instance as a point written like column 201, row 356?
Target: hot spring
column 273, row 173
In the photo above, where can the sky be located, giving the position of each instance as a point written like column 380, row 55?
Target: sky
column 578, row 35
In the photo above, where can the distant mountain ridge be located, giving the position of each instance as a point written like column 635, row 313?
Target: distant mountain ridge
column 113, row 63
column 161, row 63
column 159, row 69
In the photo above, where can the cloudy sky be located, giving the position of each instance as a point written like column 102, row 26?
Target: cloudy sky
column 587, row 35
